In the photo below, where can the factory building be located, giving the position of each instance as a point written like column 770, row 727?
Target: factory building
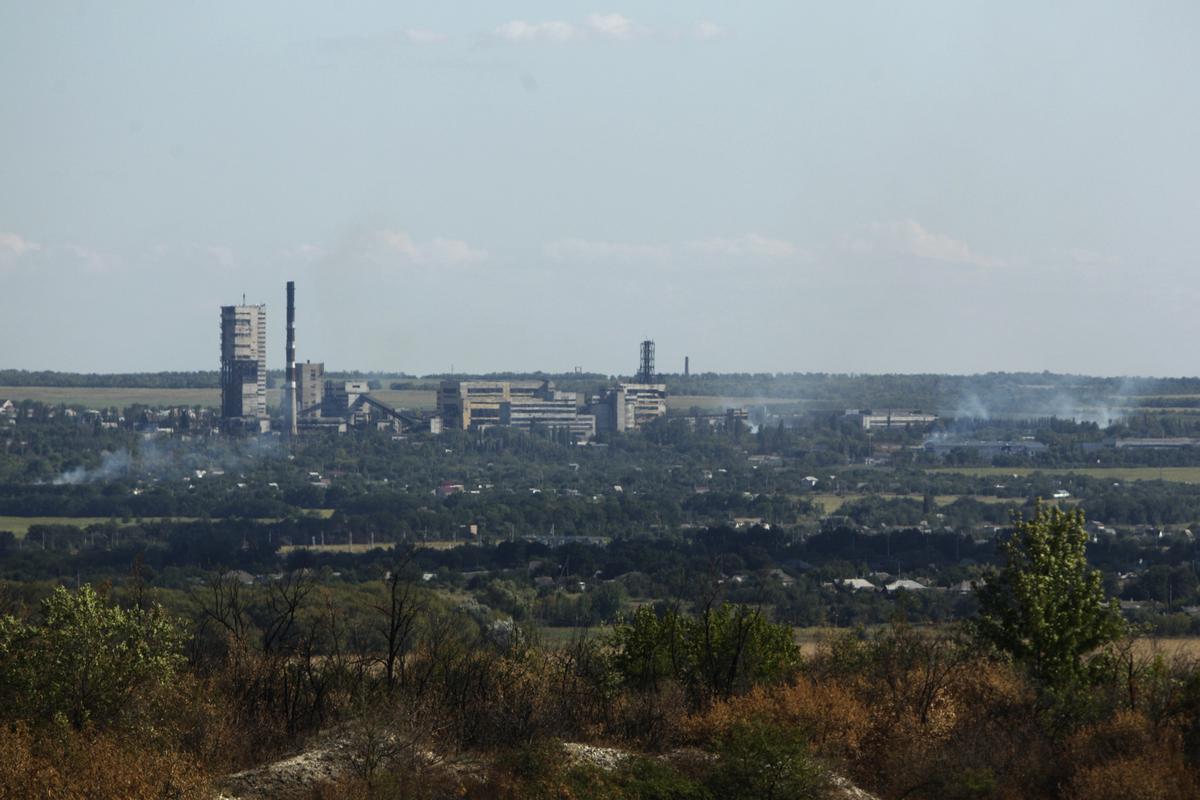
column 628, row 406
column 244, row 367
column 310, row 388
column 341, row 396
column 891, row 418
column 548, row 409
column 529, row 405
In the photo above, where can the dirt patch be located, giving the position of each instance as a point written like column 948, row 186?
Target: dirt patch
column 290, row 777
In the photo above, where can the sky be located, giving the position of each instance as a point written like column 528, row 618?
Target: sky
column 859, row 187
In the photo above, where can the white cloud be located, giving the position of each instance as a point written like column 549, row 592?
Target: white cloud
column 399, row 244
column 909, row 237
column 706, row 30
column 612, row 26
column 303, row 252
column 420, row 36
column 13, row 246
column 522, row 31
column 601, row 26
column 751, row 244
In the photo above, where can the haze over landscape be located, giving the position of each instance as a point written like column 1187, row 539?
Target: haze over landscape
column 868, row 187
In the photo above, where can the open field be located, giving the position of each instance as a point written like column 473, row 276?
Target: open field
column 99, row 397
column 833, row 502
column 337, row 548
column 103, row 397
column 21, row 525
column 1176, row 474
column 713, row 403
column 365, row 547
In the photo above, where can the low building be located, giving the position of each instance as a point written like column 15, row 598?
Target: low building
column 528, row 405
column 628, row 406
column 891, row 418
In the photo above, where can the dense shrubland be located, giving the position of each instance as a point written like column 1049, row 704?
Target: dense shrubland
column 430, row 695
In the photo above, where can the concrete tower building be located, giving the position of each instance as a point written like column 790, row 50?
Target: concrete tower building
column 244, row 366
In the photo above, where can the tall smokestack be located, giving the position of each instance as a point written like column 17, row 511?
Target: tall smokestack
column 685, row 366
column 291, row 357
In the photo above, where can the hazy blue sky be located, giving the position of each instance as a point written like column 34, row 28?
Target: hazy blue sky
column 767, row 186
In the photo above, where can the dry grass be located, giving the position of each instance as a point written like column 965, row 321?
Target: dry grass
column 100, row 397
column 21, row 525
column 97, row 397
column 831, row 503
column 1175, row 474
column 337, row 548
column 713, row 403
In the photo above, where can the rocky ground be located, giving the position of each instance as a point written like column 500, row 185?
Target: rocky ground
column 331, row 758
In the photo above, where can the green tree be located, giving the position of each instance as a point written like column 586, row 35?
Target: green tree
column 87, row 661
column 724, row 650
column 1046, row 607
column 758, row 761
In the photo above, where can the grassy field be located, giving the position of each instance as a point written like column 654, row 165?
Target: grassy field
column 92, row 397
column 337, row 548
column 104, row 397
column 713, row 403
column 367, row 547
column 20, row 525
column 1176, row 474
column 833, row 502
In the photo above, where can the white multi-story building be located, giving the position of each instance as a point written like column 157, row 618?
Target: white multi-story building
column 244, row 366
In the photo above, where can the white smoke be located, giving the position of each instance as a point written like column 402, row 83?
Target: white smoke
column 112, row 465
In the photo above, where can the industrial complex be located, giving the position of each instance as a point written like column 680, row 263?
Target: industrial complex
column 310, row 402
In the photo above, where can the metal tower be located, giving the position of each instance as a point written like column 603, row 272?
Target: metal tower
column 646, row 372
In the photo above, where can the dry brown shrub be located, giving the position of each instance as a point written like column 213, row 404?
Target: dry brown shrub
column 1126, row 756
column 73, row 766
column 832, row 718
column 1142, row 777
column 656, row 720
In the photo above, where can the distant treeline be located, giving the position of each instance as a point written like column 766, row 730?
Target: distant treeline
column 994, row 393
column 201, row 379
column 198, row 379
column 1044, row 393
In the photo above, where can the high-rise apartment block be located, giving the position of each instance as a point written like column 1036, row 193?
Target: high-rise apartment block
column 244, row 366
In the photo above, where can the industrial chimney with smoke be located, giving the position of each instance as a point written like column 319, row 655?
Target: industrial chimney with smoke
column 290, row 400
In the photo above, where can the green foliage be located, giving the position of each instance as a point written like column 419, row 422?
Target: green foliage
column 86, row 661
column 758, row 761
column 1046, row 607
column 721, row 651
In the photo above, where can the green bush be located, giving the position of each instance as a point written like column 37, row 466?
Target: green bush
column 759, row 761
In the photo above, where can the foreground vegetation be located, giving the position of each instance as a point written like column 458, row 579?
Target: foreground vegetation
column 106, row 695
